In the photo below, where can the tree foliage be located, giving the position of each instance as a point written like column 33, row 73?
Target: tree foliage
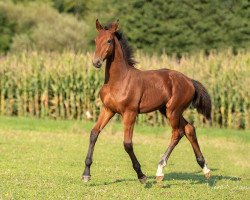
column 40, row 27
column 7, row 30
column 171, row 26
column 183, row 26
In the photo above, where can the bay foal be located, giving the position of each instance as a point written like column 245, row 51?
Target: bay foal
column 130, row 91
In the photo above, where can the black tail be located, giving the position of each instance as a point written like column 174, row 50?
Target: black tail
column 201, row 100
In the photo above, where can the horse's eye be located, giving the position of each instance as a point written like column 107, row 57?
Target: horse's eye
column 109, row 41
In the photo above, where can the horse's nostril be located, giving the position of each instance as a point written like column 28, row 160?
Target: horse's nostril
column 97, row 63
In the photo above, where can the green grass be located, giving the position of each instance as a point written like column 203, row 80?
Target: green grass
column 44, row 159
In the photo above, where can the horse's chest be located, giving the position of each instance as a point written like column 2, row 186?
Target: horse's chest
column 113, row 99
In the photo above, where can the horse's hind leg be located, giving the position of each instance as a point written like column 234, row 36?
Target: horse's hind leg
column 177, row 133
column 191, row 136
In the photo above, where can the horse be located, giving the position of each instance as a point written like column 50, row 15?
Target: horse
column 129, row 91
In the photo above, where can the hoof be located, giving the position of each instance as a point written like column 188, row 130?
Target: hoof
column 208, row 175
column 143, row 180
column 85, row 178
column 159, row 178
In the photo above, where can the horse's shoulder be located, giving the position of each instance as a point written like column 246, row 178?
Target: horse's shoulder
column 104, row 90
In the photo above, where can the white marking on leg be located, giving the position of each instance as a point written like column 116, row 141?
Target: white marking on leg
column 159, row 171
column 205, row 169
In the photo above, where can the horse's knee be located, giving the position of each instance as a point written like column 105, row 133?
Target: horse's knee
column 128, row 147
column 93, row 136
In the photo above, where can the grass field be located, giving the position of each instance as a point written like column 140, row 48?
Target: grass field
column 44, row 159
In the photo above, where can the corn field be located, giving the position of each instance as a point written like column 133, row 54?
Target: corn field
column 66, row 86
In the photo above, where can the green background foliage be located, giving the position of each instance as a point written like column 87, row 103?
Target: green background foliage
column 172, row 26
column 66, row 86
column 41, row 38
column 7, row 30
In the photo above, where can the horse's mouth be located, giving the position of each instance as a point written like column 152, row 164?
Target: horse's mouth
column 97, row 64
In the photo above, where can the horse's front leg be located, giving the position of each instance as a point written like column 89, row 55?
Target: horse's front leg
column 104, row 117
column 129, row 121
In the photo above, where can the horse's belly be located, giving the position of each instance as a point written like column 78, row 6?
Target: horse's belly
column 152, row 102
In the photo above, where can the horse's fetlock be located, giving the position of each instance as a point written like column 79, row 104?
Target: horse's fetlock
column 201, row 161
column 162, row 163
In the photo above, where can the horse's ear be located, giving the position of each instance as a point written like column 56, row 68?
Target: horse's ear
column 114, row 26
column 98, row 25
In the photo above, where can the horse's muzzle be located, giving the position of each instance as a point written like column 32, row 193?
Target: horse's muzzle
column 97, row 62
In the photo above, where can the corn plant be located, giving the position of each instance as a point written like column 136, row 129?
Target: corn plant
column 66, row 86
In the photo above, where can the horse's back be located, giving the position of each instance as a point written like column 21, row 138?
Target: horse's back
column 159, row 86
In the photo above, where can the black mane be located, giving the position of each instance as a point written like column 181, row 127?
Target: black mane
column 128, row 51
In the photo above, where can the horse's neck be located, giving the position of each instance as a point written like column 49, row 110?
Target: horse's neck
column 116, row 66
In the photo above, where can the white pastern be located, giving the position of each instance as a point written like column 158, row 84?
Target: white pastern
column 205, row 169
column 159, row 171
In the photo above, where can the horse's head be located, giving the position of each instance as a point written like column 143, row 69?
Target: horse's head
column 104, row 42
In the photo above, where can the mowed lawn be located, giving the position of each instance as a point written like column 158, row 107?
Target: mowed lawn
column 44, row 159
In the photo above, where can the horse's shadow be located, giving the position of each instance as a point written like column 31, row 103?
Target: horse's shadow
column 198, row 178
column 193, row 177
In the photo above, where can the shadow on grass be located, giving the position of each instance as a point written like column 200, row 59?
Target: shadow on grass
column 193, row 177
column 113, row 182
column 198, row 178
